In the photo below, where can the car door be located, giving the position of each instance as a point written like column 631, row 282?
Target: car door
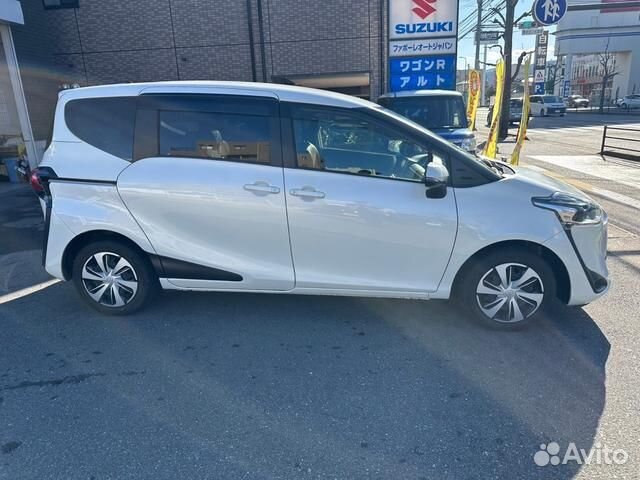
column 206, row 187
column 359, row 218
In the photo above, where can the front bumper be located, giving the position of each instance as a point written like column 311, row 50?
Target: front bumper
column 583, row 250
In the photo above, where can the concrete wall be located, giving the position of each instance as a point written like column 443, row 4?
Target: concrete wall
column 592, row 31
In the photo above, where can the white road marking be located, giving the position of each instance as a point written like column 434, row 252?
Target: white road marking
column 595, row 166
column 9, row 297
column 616, row 197
column 537, row 168
column 602, row 192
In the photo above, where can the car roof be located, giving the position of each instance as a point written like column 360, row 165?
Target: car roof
column 289, row 93
column 421, row 93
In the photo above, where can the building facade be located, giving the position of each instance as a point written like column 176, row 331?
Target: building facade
column 333, row 44
column 584, row 38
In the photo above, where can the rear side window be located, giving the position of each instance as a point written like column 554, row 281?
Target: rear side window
column 105, row 123
column 220, row 136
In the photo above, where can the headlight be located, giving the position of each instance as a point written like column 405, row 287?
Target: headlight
column 468, row 144
column 569, row 209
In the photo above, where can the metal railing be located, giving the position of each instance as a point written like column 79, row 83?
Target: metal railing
column 630, row 147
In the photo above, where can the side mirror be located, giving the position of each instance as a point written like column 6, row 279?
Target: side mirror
column 435, row 179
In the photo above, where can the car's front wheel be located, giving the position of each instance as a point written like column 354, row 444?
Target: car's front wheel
column 506, row 290
column 113, row 278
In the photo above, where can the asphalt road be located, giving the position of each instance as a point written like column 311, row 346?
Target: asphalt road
column 245, row 386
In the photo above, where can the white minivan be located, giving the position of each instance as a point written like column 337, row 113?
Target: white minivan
column 248, row 187
column 545, row 105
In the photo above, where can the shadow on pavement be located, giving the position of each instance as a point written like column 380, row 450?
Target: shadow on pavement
column 264, row 386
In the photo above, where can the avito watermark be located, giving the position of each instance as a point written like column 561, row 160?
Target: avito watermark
column 549, row 454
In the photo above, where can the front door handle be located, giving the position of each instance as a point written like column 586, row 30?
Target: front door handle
column 261, row 187
column 306, row 192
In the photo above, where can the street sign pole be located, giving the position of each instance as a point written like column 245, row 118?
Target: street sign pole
column 478, row 30
column 540, row 62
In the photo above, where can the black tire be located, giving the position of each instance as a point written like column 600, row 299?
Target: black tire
column 484, row 268
column 543, row 113
column 138, row 271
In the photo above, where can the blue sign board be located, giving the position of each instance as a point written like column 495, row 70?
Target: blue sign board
column 538, row 88
column 416, row 73
column 549, row 12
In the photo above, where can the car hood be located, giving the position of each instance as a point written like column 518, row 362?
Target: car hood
column 545, row 183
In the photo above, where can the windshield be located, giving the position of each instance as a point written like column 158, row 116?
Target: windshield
column 551, row 99
column 433, row 112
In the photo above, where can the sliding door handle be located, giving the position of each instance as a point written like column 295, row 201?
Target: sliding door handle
column 261, row 187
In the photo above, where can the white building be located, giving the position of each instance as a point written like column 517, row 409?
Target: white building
column 581, row 39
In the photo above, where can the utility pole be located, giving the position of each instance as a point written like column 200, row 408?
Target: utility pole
column 476, row 64
column 508, row 45
column 478, row 29
column 483, row 78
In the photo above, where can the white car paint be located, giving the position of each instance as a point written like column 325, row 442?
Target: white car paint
column 371, row 233
column 204, row 212
column 543, row 105
column 307, row 231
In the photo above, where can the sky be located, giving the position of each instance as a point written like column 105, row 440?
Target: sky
column 466, row 46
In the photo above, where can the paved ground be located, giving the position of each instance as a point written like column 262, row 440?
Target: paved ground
column 244, row 386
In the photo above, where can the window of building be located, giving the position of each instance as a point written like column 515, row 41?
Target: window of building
column 106, row 123
column 222, row 136
column 346, row 142
column 52, row 4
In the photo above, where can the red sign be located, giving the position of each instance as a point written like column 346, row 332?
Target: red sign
column 424, row 8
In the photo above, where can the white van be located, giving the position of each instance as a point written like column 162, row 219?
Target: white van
column 545, row 105
column 248, row 187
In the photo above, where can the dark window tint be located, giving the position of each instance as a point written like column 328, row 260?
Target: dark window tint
column 223, row 136
column 433, row 112
column 53, row 4
column 106, row 123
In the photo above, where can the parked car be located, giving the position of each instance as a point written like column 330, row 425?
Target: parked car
column 235, row 187
column 441, row 111
column 515, row 112
column 577, row 101
column 629, row 101
column 545, row 105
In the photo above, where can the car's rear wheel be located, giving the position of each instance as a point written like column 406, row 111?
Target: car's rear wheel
column 507, row 290
column 113, row 278
column 543, row 113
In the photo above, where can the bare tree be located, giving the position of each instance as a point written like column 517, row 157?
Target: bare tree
column 554, row 79
column 609, row 70
column 507, row 21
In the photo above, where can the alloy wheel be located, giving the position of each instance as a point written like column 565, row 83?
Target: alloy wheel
column 510, row 293
column 109, row 279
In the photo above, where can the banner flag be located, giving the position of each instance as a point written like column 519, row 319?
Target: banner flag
column 524, row 119
column 491, row 147
column 474, row 98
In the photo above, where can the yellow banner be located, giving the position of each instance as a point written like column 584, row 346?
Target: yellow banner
column 524, row 119
column 491, row 147
column 474, row 98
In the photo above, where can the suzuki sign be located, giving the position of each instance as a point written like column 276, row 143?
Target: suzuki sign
column 422, row 44
column 423, row 18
